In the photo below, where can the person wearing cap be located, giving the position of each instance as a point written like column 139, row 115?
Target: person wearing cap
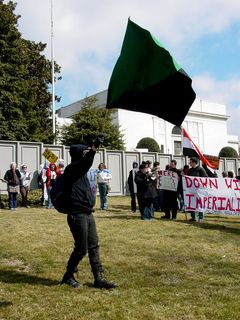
column 80, row 216
column 132, row 186
column 146, row 192
column 24, row 185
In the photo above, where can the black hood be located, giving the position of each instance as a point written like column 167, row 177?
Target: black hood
column 76, row 151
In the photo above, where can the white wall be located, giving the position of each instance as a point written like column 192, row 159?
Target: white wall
column 208, row 107
column 211, row 136
column 136, row 125
column 206, row 124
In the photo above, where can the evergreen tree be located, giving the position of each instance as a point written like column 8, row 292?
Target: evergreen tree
column 25, row 76
column 89, row 122
column 228, row 152
column 148, row 143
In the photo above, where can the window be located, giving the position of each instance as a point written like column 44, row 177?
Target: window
column 177, row 130
column 177, row 147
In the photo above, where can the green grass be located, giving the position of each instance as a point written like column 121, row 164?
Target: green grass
column 164, row 269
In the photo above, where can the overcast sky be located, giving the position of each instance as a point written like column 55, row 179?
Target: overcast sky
column 203, row 37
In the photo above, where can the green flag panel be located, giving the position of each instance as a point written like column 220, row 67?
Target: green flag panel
column 147, row 79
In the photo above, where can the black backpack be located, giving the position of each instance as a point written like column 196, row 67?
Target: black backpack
column 60, row 199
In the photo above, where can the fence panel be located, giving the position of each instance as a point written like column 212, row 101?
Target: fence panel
column 128, row 159
column 115, row 164
column 30, row 155
column 119, row 162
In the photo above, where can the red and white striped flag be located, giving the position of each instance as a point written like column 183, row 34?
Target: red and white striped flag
column 191, row 150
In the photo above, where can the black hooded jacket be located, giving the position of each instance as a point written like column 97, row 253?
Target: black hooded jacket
column 75, row 181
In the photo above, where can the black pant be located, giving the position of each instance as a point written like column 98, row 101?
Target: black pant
column 85, row 236
column 141, row 204
column 133, row 201
column 170, row 204
column 24, row 194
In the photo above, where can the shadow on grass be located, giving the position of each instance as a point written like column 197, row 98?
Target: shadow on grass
column 11, row 276
column 222, row 219
column 118, row 212
column 4, row 304
column 121, row 207
column 212, row 226
column 118, row 216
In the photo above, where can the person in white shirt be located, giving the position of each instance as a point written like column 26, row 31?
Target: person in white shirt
column 103, row 178
column 24, row 184
column 42, row 179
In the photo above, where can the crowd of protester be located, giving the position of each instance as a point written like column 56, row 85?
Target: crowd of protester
column 145, row 183
column 18, row 182
column 144, row 186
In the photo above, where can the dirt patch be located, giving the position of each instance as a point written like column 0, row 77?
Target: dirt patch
column 16, row 263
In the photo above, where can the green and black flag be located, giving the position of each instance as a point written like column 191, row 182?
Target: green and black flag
column 147, row 79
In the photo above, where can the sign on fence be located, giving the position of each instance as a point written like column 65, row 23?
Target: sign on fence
column 215, row 195
column 50, row 156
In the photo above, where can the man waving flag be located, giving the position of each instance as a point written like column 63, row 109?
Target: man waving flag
column 147, row 79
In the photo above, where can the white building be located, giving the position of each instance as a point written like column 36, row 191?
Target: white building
column 206, row 123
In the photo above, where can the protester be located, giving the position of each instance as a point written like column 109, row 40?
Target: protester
column 196, row 171
column 157, row 202
column 146, row 192
column 132, row 186
column 24, row 185
column 149, row 164
column 51, row 174
column 224, row 174
column 103, row 179
column 92, row 178
column 230, row 174
column 42, row 178
column 80, row 218
column 12, row 177
column 183, row 172
column 60, row 166
column 170, row 203
column 238, row 175
column 211, row 173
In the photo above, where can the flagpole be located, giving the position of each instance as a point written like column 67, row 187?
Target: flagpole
column 53, row 80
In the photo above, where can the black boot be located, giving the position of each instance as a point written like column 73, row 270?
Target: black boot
column 167, row 215
column 174, row 214
column 70, row 280
column 101, row 283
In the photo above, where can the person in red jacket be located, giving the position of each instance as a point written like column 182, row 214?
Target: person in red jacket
column 52, row 173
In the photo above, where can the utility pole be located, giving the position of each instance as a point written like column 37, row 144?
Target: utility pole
column 53, row 78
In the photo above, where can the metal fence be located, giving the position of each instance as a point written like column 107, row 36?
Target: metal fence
column 119, row 162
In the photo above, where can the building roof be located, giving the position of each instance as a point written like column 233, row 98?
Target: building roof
column 199, row 107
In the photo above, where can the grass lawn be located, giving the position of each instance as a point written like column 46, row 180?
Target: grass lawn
column 164, row 269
